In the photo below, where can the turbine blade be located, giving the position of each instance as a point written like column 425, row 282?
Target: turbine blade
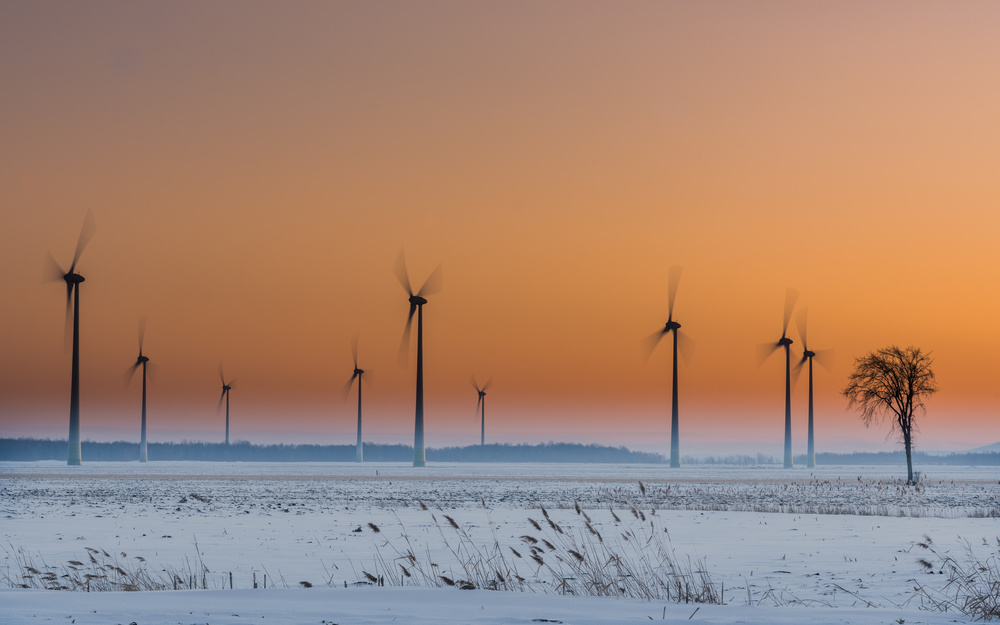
column 797, row 370
column 673, row 282
column 650, row 342
column 222, row 376
column 142, row 333
column 232, row 383
column 824, row 358
column 223, row 396
column 488, row 384
column 764, row 351
column 434, row 282
column 472, row 381
column 53, row 271
column 151, row 370
column 404, row 344
column 344, row 392
column 685, row 346
column 479, row 402
column 791, row 296
column 130, row 373
column 366, row 377
column 354, row 349
column 801, row 320
column 86, row 233
column 399, row 268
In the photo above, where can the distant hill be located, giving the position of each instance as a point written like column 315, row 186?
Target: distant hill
column 988, row 449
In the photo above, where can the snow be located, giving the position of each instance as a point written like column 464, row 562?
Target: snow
column 299, row 522
column 412, row 606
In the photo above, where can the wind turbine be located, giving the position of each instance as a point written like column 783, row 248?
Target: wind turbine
column 417, row 301
column 141, row 362
column 809, row 355
column 226, row 387
column 765, row 350
column 685, row 346
column 73, row 281
column 481, row 404
column 358, row 373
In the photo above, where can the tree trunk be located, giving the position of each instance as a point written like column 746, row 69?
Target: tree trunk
column 909, row 458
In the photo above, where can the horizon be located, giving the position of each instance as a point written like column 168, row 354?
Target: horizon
column 637, row 444
column 253, row 175
column 773, row 458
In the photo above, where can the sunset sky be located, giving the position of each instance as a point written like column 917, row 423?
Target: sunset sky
column 254, row 169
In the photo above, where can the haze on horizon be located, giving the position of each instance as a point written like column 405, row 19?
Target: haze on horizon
column 254, row 174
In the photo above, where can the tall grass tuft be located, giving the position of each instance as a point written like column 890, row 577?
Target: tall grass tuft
column 638, row 563
column 99, row 573
column 972, row 584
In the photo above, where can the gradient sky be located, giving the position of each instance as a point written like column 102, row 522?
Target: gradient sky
column 254, row 168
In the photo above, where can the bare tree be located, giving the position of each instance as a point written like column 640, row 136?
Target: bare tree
column 891, row 384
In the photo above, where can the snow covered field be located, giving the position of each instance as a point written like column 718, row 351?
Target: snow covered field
column 825, row 545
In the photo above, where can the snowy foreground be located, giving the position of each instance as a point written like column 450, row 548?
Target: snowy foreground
column 828, row 545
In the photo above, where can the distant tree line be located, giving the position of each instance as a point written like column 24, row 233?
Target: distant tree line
column 546, row 452
column 31, row 449
column 739, row 460
column 894, row 458
column 973, row 459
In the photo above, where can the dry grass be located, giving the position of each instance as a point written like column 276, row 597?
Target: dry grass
column 634, row 559
column 857, row 497
column 98, row 571
column 972, row 584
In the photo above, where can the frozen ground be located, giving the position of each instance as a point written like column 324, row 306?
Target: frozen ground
column 827, row 545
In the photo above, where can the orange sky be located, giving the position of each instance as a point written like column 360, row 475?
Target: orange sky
column 254, row 169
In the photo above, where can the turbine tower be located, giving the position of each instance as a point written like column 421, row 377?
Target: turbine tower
column 73, row 281
column 680, row 340
column 417, row 301
column 226, row 387
column 791, row 296
column 141, row 362
column 808, row 355
column 481, row 405
column 358, row 373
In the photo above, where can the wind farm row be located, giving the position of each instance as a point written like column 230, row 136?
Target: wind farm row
column 681, row 344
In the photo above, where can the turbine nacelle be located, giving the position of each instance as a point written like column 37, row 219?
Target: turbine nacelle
column 140, row 360
column 417, row 300
column 73, row 278
column 682, row 341
column 785, row 342
column 358, row 372
column 226, row 386
column 481, row 391
column 822, row 356
column 481, row 406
